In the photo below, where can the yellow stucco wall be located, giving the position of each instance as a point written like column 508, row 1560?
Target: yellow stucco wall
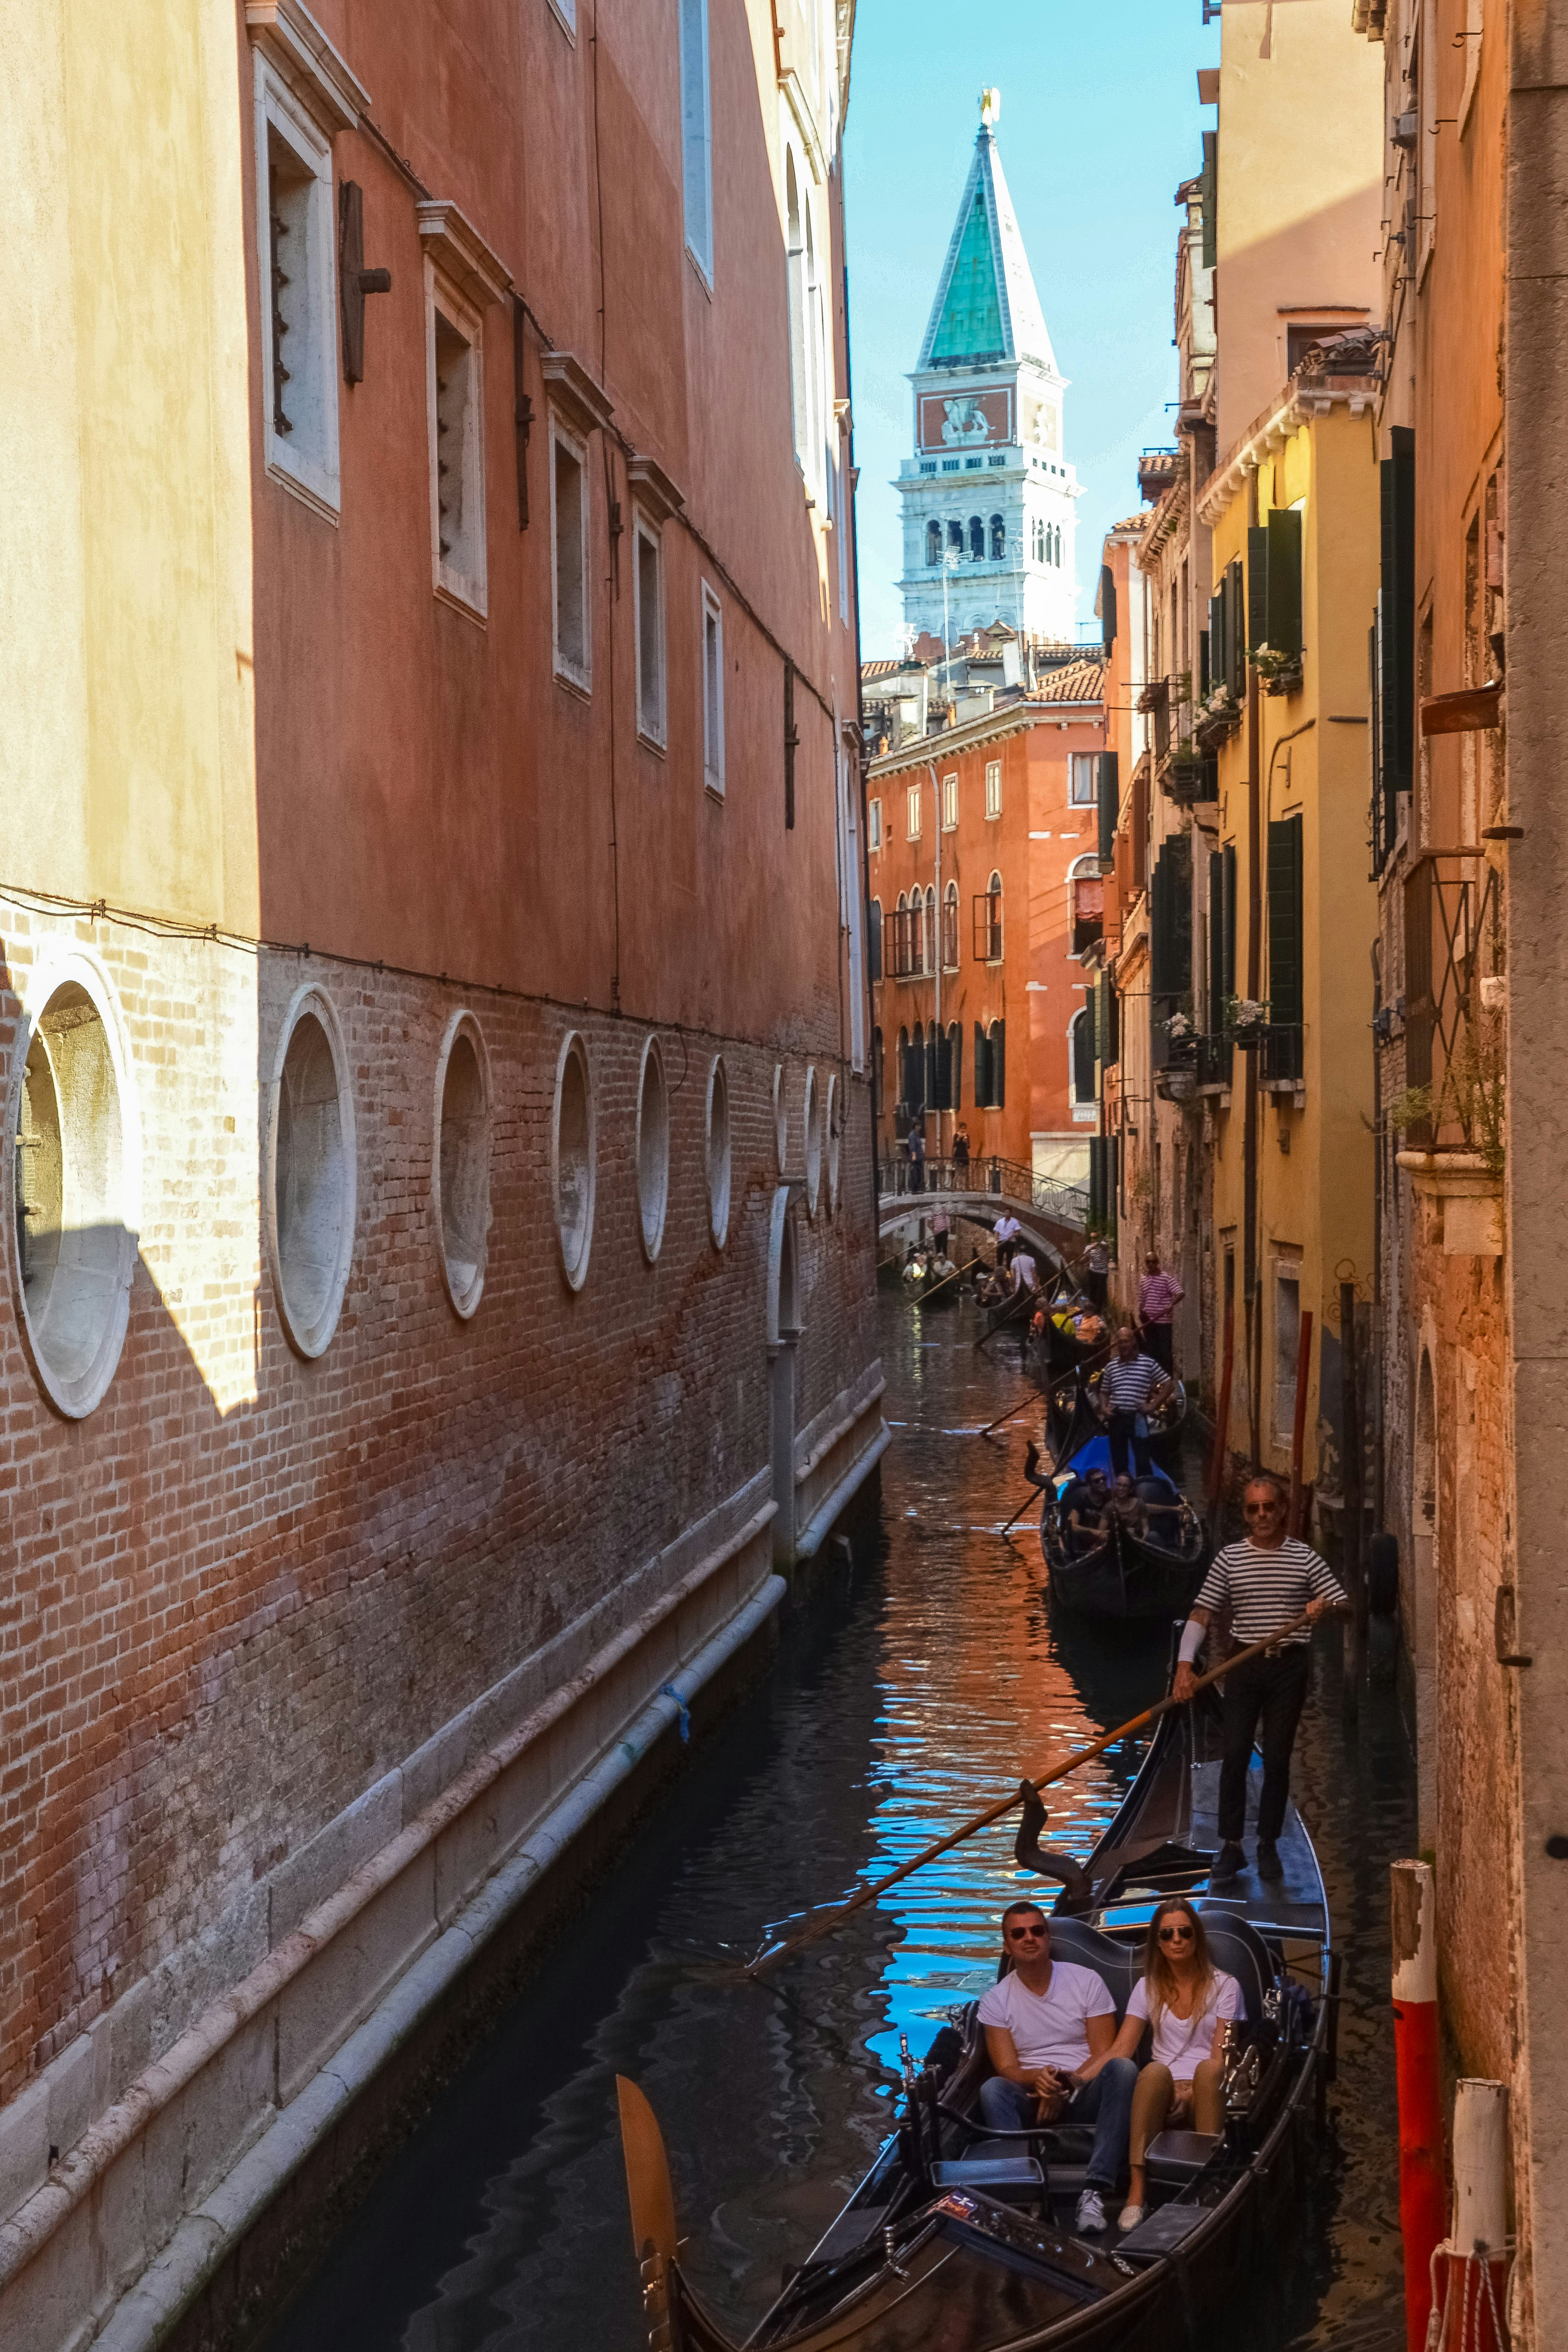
column 125, row 595
column 1315, row 1198
column 1300, row 185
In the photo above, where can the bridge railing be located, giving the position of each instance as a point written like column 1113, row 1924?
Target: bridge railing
column 1065, row 1205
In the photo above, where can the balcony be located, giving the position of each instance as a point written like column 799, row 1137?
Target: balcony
column 1453, row 1098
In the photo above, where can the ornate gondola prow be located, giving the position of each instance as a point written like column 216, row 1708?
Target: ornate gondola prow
column 653, row 2203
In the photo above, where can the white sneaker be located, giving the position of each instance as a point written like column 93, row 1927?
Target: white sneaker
column 1129, row 2217
column 1091, row 2213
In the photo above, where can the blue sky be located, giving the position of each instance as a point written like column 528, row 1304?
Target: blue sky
column 1099, row 123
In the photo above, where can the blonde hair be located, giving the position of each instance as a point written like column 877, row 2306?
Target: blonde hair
column 1159, row 1977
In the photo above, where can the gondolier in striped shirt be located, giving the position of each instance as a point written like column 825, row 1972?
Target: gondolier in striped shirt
column 1130, row 1383
column 1267, row 1581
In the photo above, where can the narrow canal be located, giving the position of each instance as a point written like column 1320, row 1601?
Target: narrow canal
column 917, row 1685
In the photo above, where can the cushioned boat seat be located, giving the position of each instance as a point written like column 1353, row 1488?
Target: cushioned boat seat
column 1175, row 2156
column 1117, row 1968
column 988, row 2172
column 1235, row 1946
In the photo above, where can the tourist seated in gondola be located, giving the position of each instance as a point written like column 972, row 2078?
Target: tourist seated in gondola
column 1186, row 2002
column 1080, row 1508
column 1049, row 2028
column 1145, row 1511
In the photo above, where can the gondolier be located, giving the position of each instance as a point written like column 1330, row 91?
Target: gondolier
column 1129, row 1384
column 1268, row 1581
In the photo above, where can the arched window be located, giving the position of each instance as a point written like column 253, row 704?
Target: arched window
column 875, row 939
column 989, row 923
column 1081, row 1054
column 1058, row 556
column 998, row 539
column 976, row 540
column 997, row 1056
column 933, row 542
column 1086, row 904
column 950, row 928
column 956, row 537
column 930, row 959
column 1036, row 539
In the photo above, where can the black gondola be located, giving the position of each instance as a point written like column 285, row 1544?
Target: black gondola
column 1072, row 1417
column 1125, row 1576
column 964, row 2236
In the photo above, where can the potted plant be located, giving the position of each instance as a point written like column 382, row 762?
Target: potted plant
column 1247, row 1021
column 1279, row 673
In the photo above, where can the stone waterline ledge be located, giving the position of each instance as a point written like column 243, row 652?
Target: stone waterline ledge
column 369, row 1924
column 834, row 1454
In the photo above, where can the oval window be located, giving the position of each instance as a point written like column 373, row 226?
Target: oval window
column 719, row 1152
column 814, row 1122
column 75, row 1169
column 573, row 1159
column 780, row 1117
column 311, row 1180
column 652, row 1149
column 833, row 1121
column 461, row 1169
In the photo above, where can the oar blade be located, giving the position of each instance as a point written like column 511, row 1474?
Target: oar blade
column 648, row 2188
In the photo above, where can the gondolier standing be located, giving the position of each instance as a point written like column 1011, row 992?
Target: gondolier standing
column 1159, row 1295
column 1129, row 1384
column 1268, row 1581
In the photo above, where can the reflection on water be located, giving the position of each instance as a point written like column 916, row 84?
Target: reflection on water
column 915, row 1689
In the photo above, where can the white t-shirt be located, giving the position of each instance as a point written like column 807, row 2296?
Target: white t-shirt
column 1184, row 2043
column 1048, row 2028
column 1007, row 1229
column 1024, row 1274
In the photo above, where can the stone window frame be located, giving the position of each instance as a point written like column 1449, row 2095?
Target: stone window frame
column 713, row 691
column 811, row 1127
column 653, row 1201
column 463, row 584
column 465, row 1295
column 310, row 1339
column 648, row 633
column 579, row 678
column 720, row 1187
column 62, row 965
column 281, row 108
column 874, row 824
column 833, row 1141
column 575, row 1045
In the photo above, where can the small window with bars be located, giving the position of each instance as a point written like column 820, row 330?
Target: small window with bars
column 456, row 447
column 993, row 788
column 299, row 289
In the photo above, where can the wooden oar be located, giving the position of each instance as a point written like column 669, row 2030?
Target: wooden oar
column 1021, row 1299
column 1033, row 1398
column 820, row 1927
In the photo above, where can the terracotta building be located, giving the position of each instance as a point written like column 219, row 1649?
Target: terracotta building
column 1472, row 998
column 439, row 1291
column 985, row 901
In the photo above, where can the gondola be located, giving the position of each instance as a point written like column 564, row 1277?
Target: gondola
column 962, row 2236
column 1065, row 1352
column 928, row 1286
column 1126, row 1577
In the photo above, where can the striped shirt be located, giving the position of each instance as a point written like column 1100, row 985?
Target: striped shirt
column 1266, row 1590
column 1127, row 1387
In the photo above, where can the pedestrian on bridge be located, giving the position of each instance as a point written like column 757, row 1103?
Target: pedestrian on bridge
column 917, row 1156
column 960, row 1155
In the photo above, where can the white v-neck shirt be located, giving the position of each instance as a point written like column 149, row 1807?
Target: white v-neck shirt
column 1182, row 2043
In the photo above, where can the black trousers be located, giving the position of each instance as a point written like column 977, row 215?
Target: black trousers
column 1159, row 1338
column 1270, row 1691
column 1095, row 1288
column 1122, row 1431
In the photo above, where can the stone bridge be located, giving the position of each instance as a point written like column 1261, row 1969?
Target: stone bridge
column 1054, row 1215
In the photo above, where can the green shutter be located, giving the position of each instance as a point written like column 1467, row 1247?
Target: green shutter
column 982, row 1068
column 1397, row 623
column 1257, row 585
column 1216, row 941
column 1203, row 636
column 1228, row 969
column 1107, row 607
column 1209, row 197
column 1110, row 796
column 1236, row 641
column 941, row 1087
column 1284, row 613
column 998, row 1065
column 1285, row 921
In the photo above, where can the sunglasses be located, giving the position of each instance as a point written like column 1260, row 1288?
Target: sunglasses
column 1176, row 1935
column 1017, row 1935
column 1261, row 1510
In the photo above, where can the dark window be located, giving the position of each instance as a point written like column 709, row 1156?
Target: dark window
column 933, row 542
column 1084, row 1056
column 999, row 1064
column 874, row 946
column 956, row 537
column 1110, row 805
column 956, row 1059
column 982, row 1068
column 1209, row 197
column 1395, row 637
column 976, row 540
column 1107, row 607
column 998, row 539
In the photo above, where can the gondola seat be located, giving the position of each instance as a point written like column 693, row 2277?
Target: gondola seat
column 989, row 2163
column 1174, row 2157
column 1114, row 1964
column 1235, row 1946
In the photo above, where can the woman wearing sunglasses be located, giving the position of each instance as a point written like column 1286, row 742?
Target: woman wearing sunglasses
column 1188, row 2002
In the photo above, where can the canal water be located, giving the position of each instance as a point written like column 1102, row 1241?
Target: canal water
column 916, row 1687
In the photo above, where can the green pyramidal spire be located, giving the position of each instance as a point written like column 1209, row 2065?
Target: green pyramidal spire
column 986, row 306
column 971, row 327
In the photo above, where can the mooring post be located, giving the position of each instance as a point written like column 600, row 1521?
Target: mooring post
column 1413, row 1918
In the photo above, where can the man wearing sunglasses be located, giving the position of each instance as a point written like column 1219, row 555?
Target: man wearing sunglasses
column 1268, row 1580
column 1050, row 2026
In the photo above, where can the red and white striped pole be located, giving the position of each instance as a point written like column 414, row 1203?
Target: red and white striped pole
column 1421, row 2199
column 1472, row 2262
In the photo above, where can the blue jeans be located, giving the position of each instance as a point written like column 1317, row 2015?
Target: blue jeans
column 1106, row 2103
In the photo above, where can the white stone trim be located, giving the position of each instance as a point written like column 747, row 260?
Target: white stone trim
column 280, row 107
column 62, row 963
column 294, row 44
column 310, row 1339
column 719, row 1191
column 465, row 1295
column 652, row 1207
column 574, row 1263
column 456, row 246
column 468, row 589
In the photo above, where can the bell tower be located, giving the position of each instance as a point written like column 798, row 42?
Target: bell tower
column 988, row 495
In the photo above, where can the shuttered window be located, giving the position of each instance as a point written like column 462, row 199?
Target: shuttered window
column 1084, row 1053
column 998, row 1065
column 1285, row 976
column 1170, row 911
column 982, row 1068
column 1228, row 974
column 873, row 940
column 1257, row 585
column 1107, row 1023
column 1107, row 607
column 1110, row 805
column 1282, row 615
column 1395, row 637
column 1209, row 198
